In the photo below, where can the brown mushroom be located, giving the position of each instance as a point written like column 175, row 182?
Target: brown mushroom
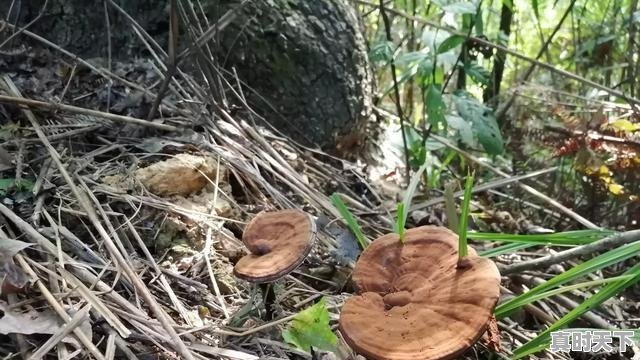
column 415, row 302
column 279, row 241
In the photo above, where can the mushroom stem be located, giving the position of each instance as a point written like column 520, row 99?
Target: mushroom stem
column 269, row 299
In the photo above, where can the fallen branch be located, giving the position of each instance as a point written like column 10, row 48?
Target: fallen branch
column 11, row 100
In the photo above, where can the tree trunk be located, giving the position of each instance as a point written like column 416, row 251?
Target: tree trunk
column 493, row 89
column 304, row 62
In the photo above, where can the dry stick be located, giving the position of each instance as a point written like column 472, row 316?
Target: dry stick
column 101, row 71
column 57, row 307
column 154, row 49
column 223, row 22
column 172, row 63
column 173, row 60
column 110, row 348
column 99, row 308
column 16, row 33
column 208, row 246
column 76, row 320
column 81, row 272
column 163, row 280
column 589, row 249
column 10, row 100
column 510, row 52
column 164, row 319
column 120, row 344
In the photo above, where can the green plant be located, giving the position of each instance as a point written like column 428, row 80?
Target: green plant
column 464, row 218
column 542, row 341
column 403, row 207
column 7, row 185
column 310, row 328
column 567, row 238
column 351, row 221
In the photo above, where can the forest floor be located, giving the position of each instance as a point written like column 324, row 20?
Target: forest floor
column 138, row 223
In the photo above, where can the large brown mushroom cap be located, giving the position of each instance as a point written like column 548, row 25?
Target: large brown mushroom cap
column 278, row 241
column 415, row 302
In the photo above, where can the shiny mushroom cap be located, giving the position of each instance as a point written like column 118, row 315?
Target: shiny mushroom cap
column 415, row 302
column 278, row 241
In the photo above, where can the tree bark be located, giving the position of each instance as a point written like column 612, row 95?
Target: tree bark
column 304, row 62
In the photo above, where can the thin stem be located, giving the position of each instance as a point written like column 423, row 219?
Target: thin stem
column 269, row 299
column 464, row 218
column 396, row 91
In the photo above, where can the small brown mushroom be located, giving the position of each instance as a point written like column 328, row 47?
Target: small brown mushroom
column 415, row 302
column 279, row 241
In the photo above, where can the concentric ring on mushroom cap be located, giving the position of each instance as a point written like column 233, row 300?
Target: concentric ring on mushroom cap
column 278, row 241
column 415, row 303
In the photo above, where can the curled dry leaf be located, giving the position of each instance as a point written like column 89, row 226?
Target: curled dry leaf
column 417, row 298
column 182, row 174
column 12, row 278
column 38, row 322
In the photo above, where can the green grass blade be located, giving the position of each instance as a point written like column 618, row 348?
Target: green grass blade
column 567, row 238
column 464, row 217
column 609, row 258
column 450, row 206
column 401, row 214
column 403, row 208
column 563, row 289
column 542, row 341
column 351, row 221
column 503, row 249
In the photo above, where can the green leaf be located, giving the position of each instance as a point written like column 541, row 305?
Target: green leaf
column 403, row 208
column 483, row 122
column 517, row 242
column 435, row 105
column 606, row 259
column 460, row 8
column 351, row 221
column 542, row 341
column 381, row 52
column 310, row 328
column 7, row 185
column 450, row 43
column 560, row 290
column 567, row 238
column 478, row 74
column 508, row 4
column 401, row 219
column 502, row 249
column 536, row 10
column 464, row 217
column 412, row 56
column 463, row 127
column 406, row 75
